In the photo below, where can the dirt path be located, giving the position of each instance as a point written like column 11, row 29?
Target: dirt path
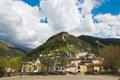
column 64, row 77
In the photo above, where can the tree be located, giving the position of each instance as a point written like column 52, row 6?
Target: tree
column 48, row 62
column 63, row 62
column 117, row 66
column 15, row 63
column 43, row 68
column 3, row 63
column 111, row 55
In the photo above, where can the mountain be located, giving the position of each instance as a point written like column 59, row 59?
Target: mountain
column 17, row 45
column 106, row 41
column 26, row 49
column 62, row 42
column 7, row 50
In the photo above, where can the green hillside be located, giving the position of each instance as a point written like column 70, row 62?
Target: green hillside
column 106, row 41
column 60, row 43
column 9, row 51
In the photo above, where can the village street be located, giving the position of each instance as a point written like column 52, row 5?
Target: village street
column 64, row 77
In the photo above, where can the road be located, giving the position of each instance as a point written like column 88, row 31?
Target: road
column 64, row 77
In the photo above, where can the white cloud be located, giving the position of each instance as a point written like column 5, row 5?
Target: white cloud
column 85, row 26
column 61, row 14
column 20, row 22
column 109, row 25
column 87, row 6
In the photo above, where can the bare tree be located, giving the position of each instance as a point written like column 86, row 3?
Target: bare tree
column 111, row 55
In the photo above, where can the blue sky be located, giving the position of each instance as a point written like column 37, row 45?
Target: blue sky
column 41, row 19
column 108, row 6
column 32, row 2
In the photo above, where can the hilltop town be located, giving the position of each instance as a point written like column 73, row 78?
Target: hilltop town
column 64, row 53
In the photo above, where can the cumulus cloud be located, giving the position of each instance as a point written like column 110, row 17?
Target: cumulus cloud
column 61, row 14
column 86, row 6
column 20, row 22
column 108, row 25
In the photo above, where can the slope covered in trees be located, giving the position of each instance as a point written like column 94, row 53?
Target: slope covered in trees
column 60, row 43
column 8, row 51
column 106, row 41
column 63, row 41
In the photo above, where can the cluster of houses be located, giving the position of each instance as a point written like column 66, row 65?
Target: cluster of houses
column 79, row 62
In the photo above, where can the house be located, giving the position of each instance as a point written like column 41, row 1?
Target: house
column 31, row 66
column 91, row 66
column 79, row 62
column 89, row 63
column 27, row 67
column 71, row 68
